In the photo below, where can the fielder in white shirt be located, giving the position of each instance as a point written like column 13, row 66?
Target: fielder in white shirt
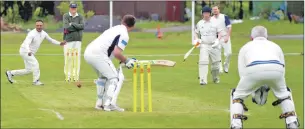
column 206, row 33
column 261, row 67
column 99, row 54
column 28, row 49
column 224, row 23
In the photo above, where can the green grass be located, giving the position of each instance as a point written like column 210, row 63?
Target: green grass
column 178, row 99
column 155, row 24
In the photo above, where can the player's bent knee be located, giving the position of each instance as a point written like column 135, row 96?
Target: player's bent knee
column 260, row 96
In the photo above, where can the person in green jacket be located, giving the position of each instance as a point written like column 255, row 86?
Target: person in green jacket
column 73, row 31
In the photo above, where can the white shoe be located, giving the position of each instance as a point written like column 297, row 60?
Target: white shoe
column 293, row 125
column 202, row 82
column 113, row 108
column 226, row 69
column 117, row 108
column 99, row 107
column 38, row 83
column 107, row 108
column 216, row 80
column 236, row 124
column 9, row 76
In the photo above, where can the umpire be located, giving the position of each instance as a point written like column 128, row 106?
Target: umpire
column 73, row 34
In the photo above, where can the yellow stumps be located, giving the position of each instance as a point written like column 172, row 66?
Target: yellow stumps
column 142, row 86
column 72, row 57
column 66, row 63
column 76, row 65
column 135, row 88
column 149, row 88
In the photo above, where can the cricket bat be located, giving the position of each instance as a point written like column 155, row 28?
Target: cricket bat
column 190, row 51
column 165, row 63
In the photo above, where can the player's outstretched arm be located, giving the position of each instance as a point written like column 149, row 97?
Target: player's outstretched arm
column 53, row 41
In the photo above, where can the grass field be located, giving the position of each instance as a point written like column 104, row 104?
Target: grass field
column 178, row 99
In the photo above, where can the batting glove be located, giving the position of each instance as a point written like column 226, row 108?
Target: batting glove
column 130, row 62
column 196, row 41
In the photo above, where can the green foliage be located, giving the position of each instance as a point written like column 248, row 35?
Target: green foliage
column 36, row 14
column 13, row 15
column 63, row 8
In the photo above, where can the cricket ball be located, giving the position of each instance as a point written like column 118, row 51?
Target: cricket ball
column 78, row 84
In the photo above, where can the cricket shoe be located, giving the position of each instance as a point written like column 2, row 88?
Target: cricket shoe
column 236, row 124
column 9, row 76
column 113, row 108
column 99, row 107
column 202, row 82
column 216, row 80
column 226, row 69
column 293, row 125
column 117, row 108
column 38, row 83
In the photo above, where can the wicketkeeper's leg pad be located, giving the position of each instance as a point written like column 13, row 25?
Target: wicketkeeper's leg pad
column 288, row 109
column 237, row 108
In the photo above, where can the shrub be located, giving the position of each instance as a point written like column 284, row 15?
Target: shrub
column 64, row 8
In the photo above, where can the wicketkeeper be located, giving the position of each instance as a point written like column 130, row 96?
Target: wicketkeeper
column 261, row 62
column 73, row 34
column 99, row 54
column 28, row 49
column 206, row 33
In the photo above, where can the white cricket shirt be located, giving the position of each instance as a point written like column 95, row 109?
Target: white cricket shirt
column 34, row 39
column 106, row 42
column 207, row 30
column 259, row 51
column 223, row 21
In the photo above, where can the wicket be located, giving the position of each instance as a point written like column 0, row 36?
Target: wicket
column 135, row 90
column 72, row 56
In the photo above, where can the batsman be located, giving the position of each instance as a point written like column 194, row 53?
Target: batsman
column 99, row 54
column 207, row 33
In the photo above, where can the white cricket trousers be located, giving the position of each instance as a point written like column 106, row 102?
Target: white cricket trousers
column 227, row 52
column 208, row 53
column 273, row 75
column 31, row 66
column 255, row 76
column 69, row 61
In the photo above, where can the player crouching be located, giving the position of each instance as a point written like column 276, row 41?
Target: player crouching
column 261, row 62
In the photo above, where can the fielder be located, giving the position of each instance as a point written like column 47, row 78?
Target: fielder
column 99, row 54
column 27, row 51
column 261, row 62
column 73, row 34
column 224, row 23
column 209, row 46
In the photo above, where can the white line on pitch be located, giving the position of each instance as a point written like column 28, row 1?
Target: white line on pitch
column 59, row 116
column 160, row 55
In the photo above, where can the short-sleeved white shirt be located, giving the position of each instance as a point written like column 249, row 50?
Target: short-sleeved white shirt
column 106, row 42
column 208, row 31
column 223, row 21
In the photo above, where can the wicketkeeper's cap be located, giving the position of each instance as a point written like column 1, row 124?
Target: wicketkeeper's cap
column 73, row 5
column 206, row 9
